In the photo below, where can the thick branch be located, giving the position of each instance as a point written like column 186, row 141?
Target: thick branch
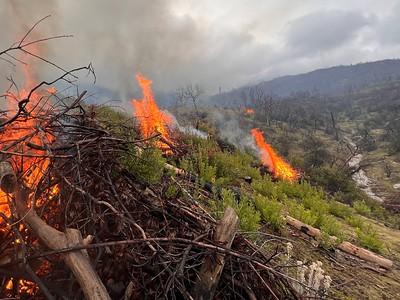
column 212, row 267
column 79, row 264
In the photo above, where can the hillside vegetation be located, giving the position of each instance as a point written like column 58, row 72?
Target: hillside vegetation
column 319, row 136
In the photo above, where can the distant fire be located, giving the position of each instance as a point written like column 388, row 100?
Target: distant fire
column 249, row 111
column 276, row 165
column 152, row 120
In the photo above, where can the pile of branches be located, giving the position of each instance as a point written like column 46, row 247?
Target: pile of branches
column 139, row 242
column 91, row 228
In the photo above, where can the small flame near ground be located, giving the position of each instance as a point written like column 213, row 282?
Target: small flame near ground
column 152, row 120
column 249, row 111
column 276, row 165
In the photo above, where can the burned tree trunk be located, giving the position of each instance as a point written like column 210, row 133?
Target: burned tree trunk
column 334, row 126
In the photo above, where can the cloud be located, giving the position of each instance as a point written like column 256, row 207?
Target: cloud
column 223, row 44
column 388, row 31
column 138, row 36
column 323, row 30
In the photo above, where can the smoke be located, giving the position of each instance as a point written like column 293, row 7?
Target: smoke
column 190, row 130
column 125, row 37
column 214, row 44
column 186, row 129
column 229, row 129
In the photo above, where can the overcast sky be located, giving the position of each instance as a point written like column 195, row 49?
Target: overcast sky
column 214, row 43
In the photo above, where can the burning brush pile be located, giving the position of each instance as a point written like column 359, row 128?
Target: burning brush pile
column 76, row 222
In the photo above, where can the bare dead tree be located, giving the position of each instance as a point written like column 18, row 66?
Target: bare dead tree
column 263, row 103
column 191, row 93
column 334, row 126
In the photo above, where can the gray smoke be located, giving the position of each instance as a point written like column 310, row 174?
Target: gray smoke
column 229, row 129
column 214, row 44
column 125, row 37
column 186, row 129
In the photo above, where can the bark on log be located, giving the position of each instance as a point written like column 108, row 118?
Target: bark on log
column 77, row 261
column 365, row 255
column 8, row 179
column 347, row 247
column 212, row 267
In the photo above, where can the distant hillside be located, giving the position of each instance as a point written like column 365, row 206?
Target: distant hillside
column 334, row 81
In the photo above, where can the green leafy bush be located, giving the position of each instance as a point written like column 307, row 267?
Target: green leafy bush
column 117, row 122
column 197, row 161
column 172, row 191
column 271, row 211
column 248, row 215
column 339, row 209
column 147, row 166
column 331, row 226
column 297, row 211
column 337, row 182
column 207, row 172
column 368, row 238
column 355, row 221
column 233, row 166
column 362, row 208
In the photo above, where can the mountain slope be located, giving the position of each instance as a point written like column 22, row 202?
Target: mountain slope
column 332, row 81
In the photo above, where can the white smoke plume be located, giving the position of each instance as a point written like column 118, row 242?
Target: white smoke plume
column 229, row 129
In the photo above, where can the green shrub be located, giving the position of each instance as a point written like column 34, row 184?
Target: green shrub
column 355, row 221
column 271, row 211
column 362, row 208
column 207, row 173
column 233, row 166
column 331, row 226
column 339, row 209
column 249, row 217
column 265, row 187
column 337, row 182
column 147, row 166
column 172, row 191
column 318, row 205
column 297, row 211
column 368, row 238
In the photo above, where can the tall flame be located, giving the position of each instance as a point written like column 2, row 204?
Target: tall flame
column 276, row 165
column 152, row 120
column 14, row 137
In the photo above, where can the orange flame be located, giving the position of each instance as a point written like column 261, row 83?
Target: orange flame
column 249, row 111
column 152, row 120
column 15, row 136
column 30, row 164
column 276, row 165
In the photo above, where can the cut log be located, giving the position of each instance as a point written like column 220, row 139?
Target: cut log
column 347, row 247
column 303, row 227
column 212, row 267
column 77, row 261
column 365, row 255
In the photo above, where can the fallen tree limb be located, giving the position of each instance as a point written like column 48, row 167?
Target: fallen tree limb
column 77, row 261
column 344, row 246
